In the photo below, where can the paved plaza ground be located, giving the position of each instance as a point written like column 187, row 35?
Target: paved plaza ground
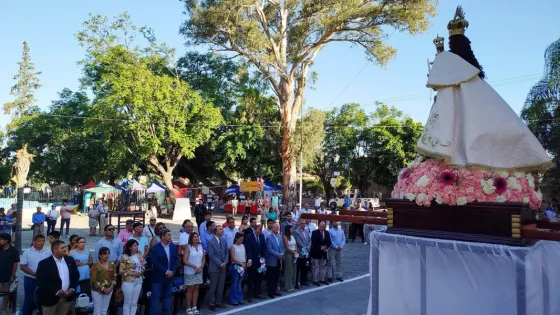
column 349, row 297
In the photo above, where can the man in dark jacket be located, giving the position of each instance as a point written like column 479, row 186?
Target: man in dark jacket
column 255, row 244
column 57, row 279
column 199, row 212
column 320, row 243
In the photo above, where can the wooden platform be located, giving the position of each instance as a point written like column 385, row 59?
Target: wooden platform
column 496, row 223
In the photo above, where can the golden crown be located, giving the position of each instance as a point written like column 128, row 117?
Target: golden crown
column 458, row 25
column 439, row 41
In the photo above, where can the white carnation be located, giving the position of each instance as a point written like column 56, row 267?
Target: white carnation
column 461, row 201
column 488, row 186
column 439, row 200
column 530, row 180
column 526, row 200
column 410, row 196
column 423, row 181
column 421, row 197
column 501, row 199
column 512, row 183
column 470, row 190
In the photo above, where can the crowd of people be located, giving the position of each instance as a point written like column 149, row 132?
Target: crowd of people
column 141, row 258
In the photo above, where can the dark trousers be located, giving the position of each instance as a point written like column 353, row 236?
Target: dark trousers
column 301, row 273
column 29, row 285
column 205, row 269
column 272, row 277
column 356, row 229
column 51, row 226
column 255, row 281
column 67, row 222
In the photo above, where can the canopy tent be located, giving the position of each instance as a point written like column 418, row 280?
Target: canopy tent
column 269, row 186
column 137, row 186
column 91, row 184
column 155, row 187
column 103, row 189
column 232, row 189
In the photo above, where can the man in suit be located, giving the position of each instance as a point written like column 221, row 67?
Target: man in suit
column 252, row 227
column 218, row 256
column 255, row 244
column 164, row 261
column 320, row 243
column 303, row 242
column 274, row 255
column 57, row 279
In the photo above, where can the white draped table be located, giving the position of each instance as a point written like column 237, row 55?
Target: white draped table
column 421, row 276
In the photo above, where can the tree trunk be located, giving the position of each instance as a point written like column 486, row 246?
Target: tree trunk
column 19, row 216
column 168, row 182
column 288, row 167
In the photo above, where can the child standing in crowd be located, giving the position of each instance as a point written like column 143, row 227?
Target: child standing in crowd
column 93, row 215
column 238, row 266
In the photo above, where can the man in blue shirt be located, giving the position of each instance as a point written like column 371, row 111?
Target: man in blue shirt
column 338, row 240
column 208, row 234
column 38, row 220
column 111, row 242
column 143, row 242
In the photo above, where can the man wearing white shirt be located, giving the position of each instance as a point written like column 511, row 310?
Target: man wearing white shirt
column 185, row 233
column 28, row 263
column 229, row 232
column 150, row 229
column 57, row 279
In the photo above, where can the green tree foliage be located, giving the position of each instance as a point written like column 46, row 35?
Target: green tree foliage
column 66, row 150
column 282, row 39
column 366, row 148
column 309, row 136
column 242, row 148
column 27, row 81
column 140, row 96
column 542, row 114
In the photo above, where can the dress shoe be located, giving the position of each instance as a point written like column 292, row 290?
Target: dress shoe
column 235, row 304
column 241, row 303
column 212, row 308
column 259, row 297
column 324, row 282
column 340, row 279
column 271, row 296
column 250, row 300
column 221, row 306
column 278, row 294
column 296, row 287
column 305, row 284
column 330, row 280
column 317, row 283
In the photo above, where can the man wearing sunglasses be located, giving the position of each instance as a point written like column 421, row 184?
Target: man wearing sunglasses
column 111, row 242
column 150, row 229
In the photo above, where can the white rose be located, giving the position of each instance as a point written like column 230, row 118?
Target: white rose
column 526, row 200
column 439, row 200
column 421, row 197
column 488, row 186
column 461, row 201
column 512, row 183
column 423, row 181
column 501, row 199
column 410, row 196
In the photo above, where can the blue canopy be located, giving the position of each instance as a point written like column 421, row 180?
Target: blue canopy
column 232, row 189
column 269, row 186
column 155, row 186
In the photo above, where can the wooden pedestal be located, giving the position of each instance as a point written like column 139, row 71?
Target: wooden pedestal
column 496, row 223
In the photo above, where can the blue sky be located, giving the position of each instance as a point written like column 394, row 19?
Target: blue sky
column 508, row 37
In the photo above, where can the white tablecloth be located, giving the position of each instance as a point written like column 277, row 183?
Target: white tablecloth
column 421, row 276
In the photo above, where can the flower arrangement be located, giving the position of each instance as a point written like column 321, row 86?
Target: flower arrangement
column 425, row 181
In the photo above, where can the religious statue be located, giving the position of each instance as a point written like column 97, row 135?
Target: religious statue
column 474, row 147
column 20, row 169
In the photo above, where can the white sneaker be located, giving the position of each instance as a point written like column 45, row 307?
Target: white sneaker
column 365, row 243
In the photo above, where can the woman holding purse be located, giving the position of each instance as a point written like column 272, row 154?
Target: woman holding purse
column 102, row 277
column 193, row 259
column 132, row 271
